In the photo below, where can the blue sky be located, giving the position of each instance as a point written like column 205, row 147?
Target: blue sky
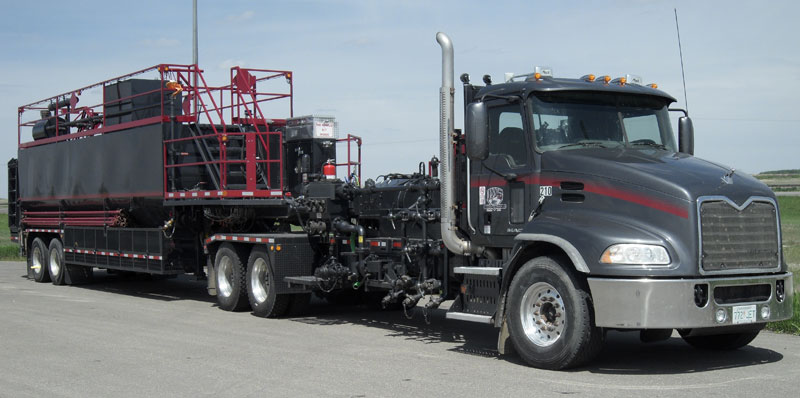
column 375, row 66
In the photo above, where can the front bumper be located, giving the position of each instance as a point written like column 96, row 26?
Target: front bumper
column 670, row 303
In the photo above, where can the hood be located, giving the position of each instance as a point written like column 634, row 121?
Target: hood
column 675, row 174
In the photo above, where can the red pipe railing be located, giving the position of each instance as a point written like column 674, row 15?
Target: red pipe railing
column 200, row 103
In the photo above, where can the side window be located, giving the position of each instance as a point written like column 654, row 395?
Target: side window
column 506, row 136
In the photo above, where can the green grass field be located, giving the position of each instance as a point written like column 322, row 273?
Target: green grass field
column 8, row 249
column 790, row 229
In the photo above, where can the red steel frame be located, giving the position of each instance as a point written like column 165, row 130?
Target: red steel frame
column 243, row 107
column 357, row 164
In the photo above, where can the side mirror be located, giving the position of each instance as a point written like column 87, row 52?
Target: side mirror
column 477, row 123
column 685, row 135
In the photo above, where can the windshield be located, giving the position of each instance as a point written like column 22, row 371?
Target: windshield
column 574, row 120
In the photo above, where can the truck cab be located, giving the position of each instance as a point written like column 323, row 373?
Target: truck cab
column 581, row 182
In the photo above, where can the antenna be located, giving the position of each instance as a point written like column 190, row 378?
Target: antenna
column 680, row 50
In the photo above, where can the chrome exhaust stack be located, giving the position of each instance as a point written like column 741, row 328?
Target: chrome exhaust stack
column 451, row 240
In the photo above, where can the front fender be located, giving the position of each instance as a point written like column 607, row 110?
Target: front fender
column 585, row 235
column 582, row 236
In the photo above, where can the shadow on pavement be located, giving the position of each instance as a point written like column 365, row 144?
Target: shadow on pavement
column 623, row 352
column 182, row 287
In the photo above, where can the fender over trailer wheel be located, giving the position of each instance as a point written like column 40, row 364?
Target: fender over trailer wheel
column 550, row 317
column 230, row 273
column 38, row 263
column 56, row 262
column 261, row 284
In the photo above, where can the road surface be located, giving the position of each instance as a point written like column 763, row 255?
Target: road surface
column 133, row 337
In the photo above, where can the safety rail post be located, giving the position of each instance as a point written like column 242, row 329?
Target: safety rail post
column 357, row 164
column 250, row 161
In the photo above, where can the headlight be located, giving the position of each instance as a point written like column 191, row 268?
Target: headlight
column 628, row 253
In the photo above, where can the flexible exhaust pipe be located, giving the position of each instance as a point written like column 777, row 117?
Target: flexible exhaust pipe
column 451, row 240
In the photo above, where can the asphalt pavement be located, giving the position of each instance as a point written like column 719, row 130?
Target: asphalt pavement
column 121, row 337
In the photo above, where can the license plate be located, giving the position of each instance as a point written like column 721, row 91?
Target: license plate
column 744, row 314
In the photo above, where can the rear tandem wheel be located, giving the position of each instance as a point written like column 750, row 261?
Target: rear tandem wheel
column 38, row 261
column 230, row 275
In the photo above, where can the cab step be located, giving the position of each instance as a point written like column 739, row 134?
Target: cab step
column 463, row 316
column 479, row 292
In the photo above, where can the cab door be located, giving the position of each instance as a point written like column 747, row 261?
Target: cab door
column 498, row 189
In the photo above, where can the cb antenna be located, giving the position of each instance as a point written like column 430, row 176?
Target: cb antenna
column 680, row 51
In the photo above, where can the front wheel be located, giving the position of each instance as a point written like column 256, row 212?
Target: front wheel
column 550, row 315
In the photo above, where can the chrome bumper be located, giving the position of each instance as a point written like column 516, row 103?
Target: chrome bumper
column 670, row 304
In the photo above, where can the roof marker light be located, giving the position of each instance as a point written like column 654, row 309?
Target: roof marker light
column 588, row 78
column 605, row 79
column 652, row 85
column 620, row 80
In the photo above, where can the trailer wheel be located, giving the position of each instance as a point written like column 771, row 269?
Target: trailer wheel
column 720, row 342
column 550, row 317
column 37, row 261
column 230, row 272
column 261, row 282
column 56, row 262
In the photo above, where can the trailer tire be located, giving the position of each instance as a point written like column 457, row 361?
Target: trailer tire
column 550, row 315
column 261, row 283
column 720, row 342
column 55, row 262
column 230, row 273
column 38, row 261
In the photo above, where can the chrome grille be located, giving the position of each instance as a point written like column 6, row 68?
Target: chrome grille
column 735, row 239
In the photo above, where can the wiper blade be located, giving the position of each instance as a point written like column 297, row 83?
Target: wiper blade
column 649, row 143
column 584, row 144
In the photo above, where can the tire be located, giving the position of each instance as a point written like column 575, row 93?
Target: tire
column 720, row 342
column 544, row 291
column 55, row 262
column 38, row 261
column 230, row 275
column 261, row 284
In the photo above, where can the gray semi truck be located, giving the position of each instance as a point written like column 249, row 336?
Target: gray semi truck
column 565, row 208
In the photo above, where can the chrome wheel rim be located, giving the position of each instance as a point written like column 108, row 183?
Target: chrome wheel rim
column 37, row 260
column 543, row 314
column 259, row 281
column 55, row 263
column 224, row 276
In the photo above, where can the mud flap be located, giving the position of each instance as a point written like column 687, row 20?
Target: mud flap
column 211, row 277
column 77, row 274
column 504, row 345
